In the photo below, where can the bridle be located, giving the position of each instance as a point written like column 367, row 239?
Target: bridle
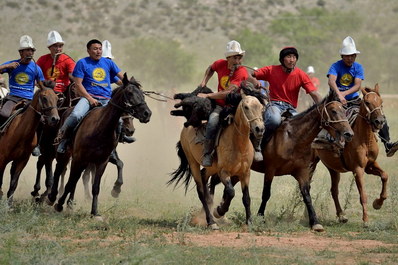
column 44, row 110
column 369, row 111
column 327, row 122
column 128, row 107
column 247, row 120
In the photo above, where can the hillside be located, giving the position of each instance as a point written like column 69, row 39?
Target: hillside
column 195, row 33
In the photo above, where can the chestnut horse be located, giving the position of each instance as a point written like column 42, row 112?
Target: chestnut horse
column 359, row 155
column 289, row 150
column 96, row 138
column 18, row 141
column 234, row 157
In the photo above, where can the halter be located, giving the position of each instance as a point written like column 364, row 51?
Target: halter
column 369, row 111
column 327, row 122
column 129, row 108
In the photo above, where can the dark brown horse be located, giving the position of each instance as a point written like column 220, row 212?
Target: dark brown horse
column 234, row 157
column 96, row 138
column 46, row 142
column 18, row 141
column 359, row 156
column 289, row 150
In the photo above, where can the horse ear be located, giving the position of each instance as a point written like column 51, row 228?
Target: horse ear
column 377, row 88
column 125, row 80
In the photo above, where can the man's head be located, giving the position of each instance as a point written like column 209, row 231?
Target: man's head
column 348, row 51
column 26, row 49
column 288, row 57
column 94, row 49
column 234, row 53
column 55, row 42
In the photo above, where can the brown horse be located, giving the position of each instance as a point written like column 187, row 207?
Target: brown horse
column 18, row 141
column 234, row 158
column 95, row 138
column 289, row 150
column 359, row 155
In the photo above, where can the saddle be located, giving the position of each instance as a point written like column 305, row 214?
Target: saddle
column 20, row 107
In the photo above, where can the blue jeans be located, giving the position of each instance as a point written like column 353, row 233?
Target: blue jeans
column 273, row 116
column 213, row 123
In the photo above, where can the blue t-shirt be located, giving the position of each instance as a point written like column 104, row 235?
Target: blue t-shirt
column 22, row 79
column 346, row 76
column 97, row 76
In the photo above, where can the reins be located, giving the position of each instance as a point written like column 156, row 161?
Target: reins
column 247, row 120
column 327, row 122
column 369, row 111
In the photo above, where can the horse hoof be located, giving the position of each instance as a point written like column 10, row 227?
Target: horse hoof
column 343, row 219
column 377, row 203
column 214, row 227
column 34, row 193
column 98, row 218
column 58, row 207
column 365, row 225
column 48, row 201
column 216, row 214
column 317, row 228
column 115, row 194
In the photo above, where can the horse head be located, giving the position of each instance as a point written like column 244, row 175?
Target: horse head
column 130, row 98
column 45, row 104
column 334, row 119
column 371, row 108
column 253, row 111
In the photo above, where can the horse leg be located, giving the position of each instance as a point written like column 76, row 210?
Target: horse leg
column 266, row 194
column 305, row 187
column 203, row 194
column 74, row 175
column 114, row 159
column 228, row 195
column 16, row 169
column 1, row 180
column 99, row 171
column 376, row 170
column 86, row 180
column 334, row 189
column 39, row 167
column 244, row 182
column 363, row 199
column 49, row 179
column 60, row 169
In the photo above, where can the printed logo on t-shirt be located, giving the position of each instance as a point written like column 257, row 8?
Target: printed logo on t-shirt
column 346, row 80
column 55, row 74
column 22, row 78
column 99, row 74
column 223, row 82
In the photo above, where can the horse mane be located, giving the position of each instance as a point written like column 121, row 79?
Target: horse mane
column 132, row 82
column 331, row 96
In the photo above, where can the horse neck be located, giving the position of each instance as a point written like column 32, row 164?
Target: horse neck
column 240, row 128
column 110, row 116
column 306, row 127
column 30, row 119
column 361, row 127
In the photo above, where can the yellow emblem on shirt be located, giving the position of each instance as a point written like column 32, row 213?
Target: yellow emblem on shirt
column 99, row 74
column 346, row 80
column 223, row 82
column 22, row 78
column 55, row 74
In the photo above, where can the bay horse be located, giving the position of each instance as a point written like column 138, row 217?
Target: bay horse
column 289, row 151
column 234, row 157
column 18, row 141
column 66, row 100
column 359, row 156
column 96, row 138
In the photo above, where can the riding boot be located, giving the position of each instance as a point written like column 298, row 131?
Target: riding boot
column 258, row 156
column 391, row 148
column 36, row 151
column 64, row 135
column 123, row 138
column 207, row 152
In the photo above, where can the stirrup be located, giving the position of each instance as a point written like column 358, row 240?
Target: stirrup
column 207, row 160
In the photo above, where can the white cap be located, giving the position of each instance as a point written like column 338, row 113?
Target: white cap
column 25, row 42
column 54, row 37
column 348, row 47
column 233, row 48
column 310, row 70
column 107, row 49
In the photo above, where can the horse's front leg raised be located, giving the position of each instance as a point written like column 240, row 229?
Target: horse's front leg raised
column 305, row 192
column 117, row 187
column 228, row 195
column 376, row 170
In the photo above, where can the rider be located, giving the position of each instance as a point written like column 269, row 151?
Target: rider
column 285, row 81
column 230, row 75
column 22, row 73
column 345, row 77
column 92, row 75
column 56, row 66
column 107, row 53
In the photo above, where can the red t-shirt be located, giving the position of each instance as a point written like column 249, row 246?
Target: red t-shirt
column 63, row 66
column 221, row 67
column 285, row 86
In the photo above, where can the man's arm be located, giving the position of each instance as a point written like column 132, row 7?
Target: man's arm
column 316, row 96
column 208, row 74
column 81, row 91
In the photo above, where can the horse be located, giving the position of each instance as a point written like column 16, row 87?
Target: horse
column 18, row 141
column 66, row 100
column 96, row 138
column 289, row 151
column 359, row 156
column 234, row 157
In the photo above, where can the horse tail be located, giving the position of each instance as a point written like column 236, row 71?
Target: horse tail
column 182, row 171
